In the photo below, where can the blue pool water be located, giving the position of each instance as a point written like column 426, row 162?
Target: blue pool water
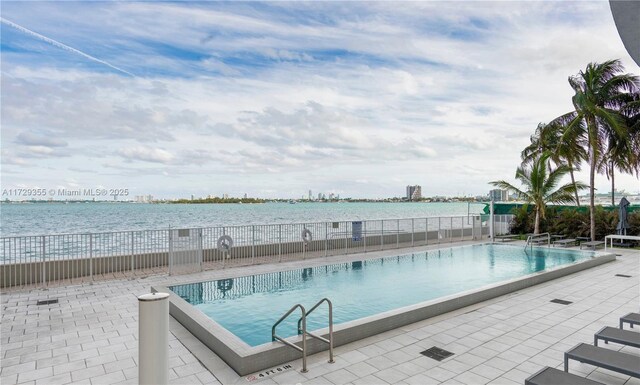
column 249, row 306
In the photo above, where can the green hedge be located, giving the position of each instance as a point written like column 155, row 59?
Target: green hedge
column 508, row 208
column 572, row 223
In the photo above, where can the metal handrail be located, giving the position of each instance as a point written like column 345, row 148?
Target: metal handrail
column 305, row 333
column 302, row 349
column 532, row 237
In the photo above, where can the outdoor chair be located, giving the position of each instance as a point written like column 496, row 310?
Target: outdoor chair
column 619, row 336
column 507, row 237
column 631, row 319
column 592, row 244
column 551, row 376
column 623, row 363
column 565, row 242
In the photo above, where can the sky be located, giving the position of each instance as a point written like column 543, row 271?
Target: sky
column 276, row 99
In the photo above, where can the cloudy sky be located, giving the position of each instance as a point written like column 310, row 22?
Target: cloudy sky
column 274, row 99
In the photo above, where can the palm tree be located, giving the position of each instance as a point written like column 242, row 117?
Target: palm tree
column 540, row 183
column 616, row 156
column 601, row 92
column 563, row 149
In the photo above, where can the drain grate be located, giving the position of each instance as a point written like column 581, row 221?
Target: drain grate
column 561, row 301
column 47, row 302
column 436, row 353
column 623, row 275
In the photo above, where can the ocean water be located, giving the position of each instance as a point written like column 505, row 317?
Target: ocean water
column 249, row 306
column 59, row 218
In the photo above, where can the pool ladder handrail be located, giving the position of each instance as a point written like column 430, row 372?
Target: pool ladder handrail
column 329, row 341
column 302, row 330
column 536, row 237
column 302, row 349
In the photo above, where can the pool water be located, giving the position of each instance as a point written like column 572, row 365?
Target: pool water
column 249, row 306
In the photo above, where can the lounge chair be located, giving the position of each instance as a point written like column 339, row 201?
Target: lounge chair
column 583, row 239
column 619, row 336
column 551, row 376
column 507, row 237
column 624, row 363
column 565, row 242
column 592, row 244
column 631, row 319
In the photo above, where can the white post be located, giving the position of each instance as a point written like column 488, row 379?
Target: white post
column 491, row 221
column 153, row 334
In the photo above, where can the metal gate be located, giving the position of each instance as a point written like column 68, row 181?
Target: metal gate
column 185, row 251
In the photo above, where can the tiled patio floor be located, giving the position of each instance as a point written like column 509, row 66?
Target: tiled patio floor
column 90, row 336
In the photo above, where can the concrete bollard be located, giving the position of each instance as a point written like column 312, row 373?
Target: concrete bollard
column 153, row 342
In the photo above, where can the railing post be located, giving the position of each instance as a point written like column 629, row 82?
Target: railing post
column 364, row 235
column 346, row 238
column 491, row 225
column 382, row 234
column 253, row 244
column 200, row 249
column 280, row 243
column 397, row 233
column 412, row 231
column 170, row 256
column 451, row 230
column 91, row 257
column 44, row 262
column 438, row 230
column 426, row 231
column 132, row 251
column 473, row 228
column 326, row 239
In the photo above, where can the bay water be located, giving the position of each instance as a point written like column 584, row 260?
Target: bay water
column 60, row 218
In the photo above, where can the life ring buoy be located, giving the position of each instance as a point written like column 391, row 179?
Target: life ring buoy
column 225, row 243
column 307, row 236
column 224, row 285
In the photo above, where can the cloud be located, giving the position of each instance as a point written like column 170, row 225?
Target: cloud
column 31, row 139
column 147, row 154
column 286, row 95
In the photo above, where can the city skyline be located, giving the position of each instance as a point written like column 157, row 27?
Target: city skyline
column 270, row 98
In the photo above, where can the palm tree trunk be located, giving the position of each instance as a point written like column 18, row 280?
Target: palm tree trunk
column 592, row 201
column 573, row 181
column 613, row 186
column 536, row 228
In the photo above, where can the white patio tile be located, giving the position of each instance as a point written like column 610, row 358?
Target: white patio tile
column 391, row 375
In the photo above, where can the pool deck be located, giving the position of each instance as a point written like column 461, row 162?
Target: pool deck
column 90, row 336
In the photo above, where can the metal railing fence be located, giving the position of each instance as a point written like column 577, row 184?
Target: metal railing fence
column 40, row 260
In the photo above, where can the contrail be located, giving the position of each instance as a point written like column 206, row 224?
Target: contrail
column 60, row 45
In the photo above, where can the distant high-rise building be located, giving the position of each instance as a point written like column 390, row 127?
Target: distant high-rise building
column 498, row 195
column 245, row 195
column 226, row 196
column 414, row 193
column 310, row 195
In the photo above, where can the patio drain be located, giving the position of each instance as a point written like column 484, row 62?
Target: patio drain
column 561, row 301
column 623, row 275
column 436, row 353
column 47, row 301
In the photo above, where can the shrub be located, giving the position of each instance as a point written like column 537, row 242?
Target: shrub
column 572, row 223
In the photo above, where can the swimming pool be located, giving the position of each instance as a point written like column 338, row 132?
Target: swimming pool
column 368, row 295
